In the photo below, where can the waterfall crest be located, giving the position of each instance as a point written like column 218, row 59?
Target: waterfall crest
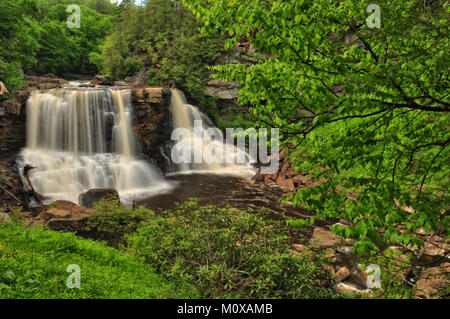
column 80, row 139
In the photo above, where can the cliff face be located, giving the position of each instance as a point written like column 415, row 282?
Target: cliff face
column 152, row 125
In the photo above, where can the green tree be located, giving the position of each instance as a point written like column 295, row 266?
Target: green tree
column 162, row 36
column 17, row 42
column 64, row 50
column 369, row 105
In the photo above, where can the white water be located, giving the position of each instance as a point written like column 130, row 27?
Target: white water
column 200, row 143
column 80, row 139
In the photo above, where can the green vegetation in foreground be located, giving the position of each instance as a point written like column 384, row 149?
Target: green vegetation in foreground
column 230, row 253
column 33, row 264
column 223, row 252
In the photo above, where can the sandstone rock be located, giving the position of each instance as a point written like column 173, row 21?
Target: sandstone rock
column 155, row 95
column 345, row 250
column 322, row 238
column 68, row 225
column 223, row 90
column 3, row 89
column 93, row 196
column 436, row 246
column 434, row 281
column 259, row 178
column 35, row 80
column 343, row 287
column 268, row 180
column 300, row 248
column 48, row 86
column 121, row 83
column 285, row 183
column 342, row 274
column 300, row 179
column 63, row 209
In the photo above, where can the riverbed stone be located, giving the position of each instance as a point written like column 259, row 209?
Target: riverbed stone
column 285, row 183
column 342, row 274
column 63, row 209
column 433, row 281
column 344, row 287
column 322, row 238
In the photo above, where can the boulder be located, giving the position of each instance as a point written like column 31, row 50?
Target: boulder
column 148, row 94
column 121, row 83
column 342, row 274
column 434, row 281
column 343, row 287
column 3, row 89
column 48, row 86
column 35, row 80
column 322, row 238
column 93, row 196
column 102, row 80
column 63, row 209
column 285, row 183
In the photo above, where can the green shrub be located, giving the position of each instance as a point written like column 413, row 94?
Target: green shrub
column 113, row 221
column 34, row 261
column 229, row 253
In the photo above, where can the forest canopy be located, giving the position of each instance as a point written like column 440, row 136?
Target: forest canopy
column 163, row 40
column 35, row 38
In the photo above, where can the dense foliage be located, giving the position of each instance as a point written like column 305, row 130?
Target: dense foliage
column 35, row 38
column 34, row 261
column 18, row 43
column 162, row 38
column 230, row 253
column 369, row 105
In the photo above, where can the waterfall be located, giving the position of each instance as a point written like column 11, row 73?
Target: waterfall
column 204, row 143
column 80, row 139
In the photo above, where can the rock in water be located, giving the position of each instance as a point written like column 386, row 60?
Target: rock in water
column 93, row 196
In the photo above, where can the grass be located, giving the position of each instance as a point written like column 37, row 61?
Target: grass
column 34, row 261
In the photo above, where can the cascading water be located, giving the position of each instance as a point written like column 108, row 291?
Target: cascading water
column 81, row 139
column 200, row 142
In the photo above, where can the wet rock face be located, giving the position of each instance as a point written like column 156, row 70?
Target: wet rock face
column 93, row 196
column 152, row 125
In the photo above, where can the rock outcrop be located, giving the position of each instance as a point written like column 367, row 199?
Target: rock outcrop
column 152, row 120
column 93, row 196
column 222, row 90
column 286, row 177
